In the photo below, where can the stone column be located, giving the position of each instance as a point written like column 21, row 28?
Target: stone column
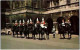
column 13, row 5
column 25, row 2
column 50, row 5
column 10, row 4
column 19, row 3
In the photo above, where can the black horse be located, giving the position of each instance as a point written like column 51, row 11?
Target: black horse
column 49, row 26
column 61, row 27
column 64, row 28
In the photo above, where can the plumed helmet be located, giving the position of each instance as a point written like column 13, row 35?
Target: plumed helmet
column 28, row 21
column 23, row 21
column 37, row 19
column 15, row 21
column 42, row 19
column 19, row 21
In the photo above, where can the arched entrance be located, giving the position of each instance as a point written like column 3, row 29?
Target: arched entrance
column 75, row 24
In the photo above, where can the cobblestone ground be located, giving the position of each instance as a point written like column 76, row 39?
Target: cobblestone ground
column 9, row 42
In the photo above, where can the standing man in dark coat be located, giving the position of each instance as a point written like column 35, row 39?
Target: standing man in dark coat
column 49, row 26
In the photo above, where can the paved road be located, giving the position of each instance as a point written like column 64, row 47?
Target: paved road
column 8, row 42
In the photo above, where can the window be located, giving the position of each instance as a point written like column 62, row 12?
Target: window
column 68, row 1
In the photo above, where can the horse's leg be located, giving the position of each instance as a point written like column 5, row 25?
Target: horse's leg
column 17, row 34
column 63, row 35
column 60, row 35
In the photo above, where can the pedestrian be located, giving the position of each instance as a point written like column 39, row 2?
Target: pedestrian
column 53, row 31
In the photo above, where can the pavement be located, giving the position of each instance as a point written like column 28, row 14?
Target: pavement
column 9, row 42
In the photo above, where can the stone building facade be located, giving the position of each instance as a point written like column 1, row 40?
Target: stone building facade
column 41, row 8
